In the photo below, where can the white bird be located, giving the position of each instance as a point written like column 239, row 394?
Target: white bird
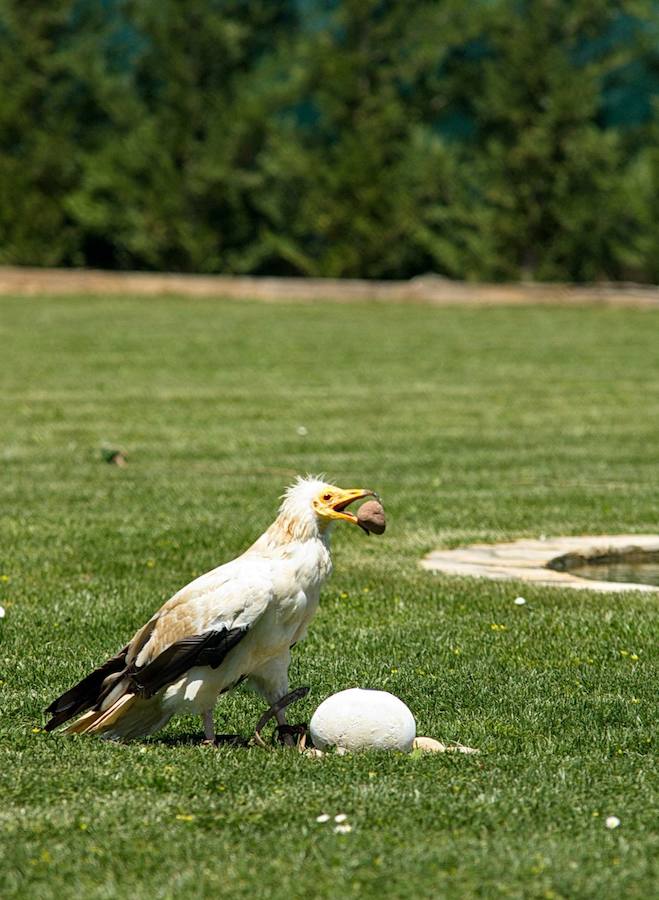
column 238, row 621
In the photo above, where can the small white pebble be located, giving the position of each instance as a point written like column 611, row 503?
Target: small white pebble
column 428, row 744
column 313, row 753
column 322, row 818
column 340, row 818
column 2, row 612
column 302, row 431
column 342, row 829
column 612, row 822
column 519, row 601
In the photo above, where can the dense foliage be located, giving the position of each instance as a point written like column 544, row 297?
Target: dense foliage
column 375, row 138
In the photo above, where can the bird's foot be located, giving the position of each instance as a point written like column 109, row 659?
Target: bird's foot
column 293, row 735
column 225, row 740
column 278, row 707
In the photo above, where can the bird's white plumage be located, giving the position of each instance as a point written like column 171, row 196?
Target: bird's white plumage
column 272, row 591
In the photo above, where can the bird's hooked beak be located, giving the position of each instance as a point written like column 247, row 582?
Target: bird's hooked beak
column 336, row 506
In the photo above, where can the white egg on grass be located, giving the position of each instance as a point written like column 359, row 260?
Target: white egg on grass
column 359, row 719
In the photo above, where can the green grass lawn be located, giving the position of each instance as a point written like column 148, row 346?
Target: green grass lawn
column 473, row 424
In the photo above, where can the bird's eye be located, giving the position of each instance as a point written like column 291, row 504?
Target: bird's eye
column 327, row 497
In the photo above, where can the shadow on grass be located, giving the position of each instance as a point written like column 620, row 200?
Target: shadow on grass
column 196, row 738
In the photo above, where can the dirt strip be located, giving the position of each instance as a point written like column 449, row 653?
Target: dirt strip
column 425, row 289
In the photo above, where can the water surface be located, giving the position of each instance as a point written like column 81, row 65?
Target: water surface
column 630, row 572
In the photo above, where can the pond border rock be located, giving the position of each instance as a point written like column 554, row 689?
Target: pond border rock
column 530, row 560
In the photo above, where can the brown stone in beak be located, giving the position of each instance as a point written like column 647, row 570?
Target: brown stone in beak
column 370, row 517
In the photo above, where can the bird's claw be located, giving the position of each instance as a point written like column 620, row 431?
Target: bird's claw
column 293, row 735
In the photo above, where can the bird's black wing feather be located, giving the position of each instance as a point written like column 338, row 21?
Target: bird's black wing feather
column 207, row 649
column 94, row 688
column 83, row 695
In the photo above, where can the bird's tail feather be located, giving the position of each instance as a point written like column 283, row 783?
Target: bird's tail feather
column 129, row 717
column 98, row 721
column 111, row 715
column 81, row 724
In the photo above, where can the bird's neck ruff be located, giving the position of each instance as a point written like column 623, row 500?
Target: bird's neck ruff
column 297, row 520
column 287, row 529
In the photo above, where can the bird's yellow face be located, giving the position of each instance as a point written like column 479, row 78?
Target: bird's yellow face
column 331, row 502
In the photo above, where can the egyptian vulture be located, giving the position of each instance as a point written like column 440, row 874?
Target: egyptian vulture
column 238, row 621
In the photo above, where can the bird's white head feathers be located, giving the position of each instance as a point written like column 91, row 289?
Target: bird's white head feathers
column 311, row 505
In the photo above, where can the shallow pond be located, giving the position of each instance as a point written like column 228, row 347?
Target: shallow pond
column 621, row 570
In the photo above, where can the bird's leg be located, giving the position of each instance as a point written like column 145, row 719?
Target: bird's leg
column 215, row 740
column 289, row 735
column 285, row 731
column 271, row 681
column 209, row 726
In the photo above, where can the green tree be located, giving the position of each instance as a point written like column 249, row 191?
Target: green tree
column 550, row 187
column 37, row 159
column 344, row 166
column 170, row 186
column 375, row 138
